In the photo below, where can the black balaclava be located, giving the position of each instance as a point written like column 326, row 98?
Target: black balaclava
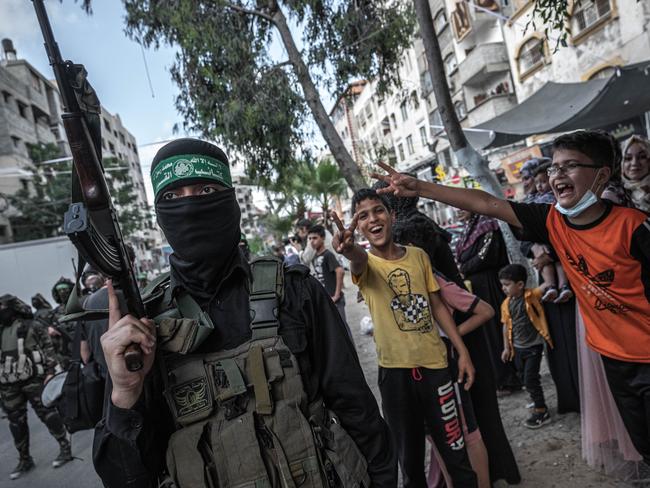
column 61, row 290
column 12, row 307
column 202, row 230
column 39, row 302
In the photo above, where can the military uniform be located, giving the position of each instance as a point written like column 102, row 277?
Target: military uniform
column 272, row 394
column 62, row 339
column 26, row 359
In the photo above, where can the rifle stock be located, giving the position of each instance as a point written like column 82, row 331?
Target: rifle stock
column 91, row 224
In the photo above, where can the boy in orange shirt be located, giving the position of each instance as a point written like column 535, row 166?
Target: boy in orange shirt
column 604, row 250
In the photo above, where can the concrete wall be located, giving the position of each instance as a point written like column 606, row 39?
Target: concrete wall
column 622, row 38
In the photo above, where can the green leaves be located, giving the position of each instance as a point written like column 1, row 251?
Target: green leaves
column 235, row 86
column 41, row 207
column 555, row 16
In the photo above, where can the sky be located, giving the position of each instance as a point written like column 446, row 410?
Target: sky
column 114, row 63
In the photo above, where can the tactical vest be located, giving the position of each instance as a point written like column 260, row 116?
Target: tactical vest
column 242, row 415
column 19, row 362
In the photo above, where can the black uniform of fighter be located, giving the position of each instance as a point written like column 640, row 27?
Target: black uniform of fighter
column 198, row 212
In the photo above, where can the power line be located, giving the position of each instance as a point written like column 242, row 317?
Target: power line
column 146, row 69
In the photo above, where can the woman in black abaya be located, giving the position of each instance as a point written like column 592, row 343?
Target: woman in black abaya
column 481, row 253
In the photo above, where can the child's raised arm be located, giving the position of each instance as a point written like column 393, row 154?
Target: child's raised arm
column 343, row 243
column 475, row 201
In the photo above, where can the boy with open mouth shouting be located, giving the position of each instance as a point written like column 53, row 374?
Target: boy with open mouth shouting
column 604, row 250
column 415, row 383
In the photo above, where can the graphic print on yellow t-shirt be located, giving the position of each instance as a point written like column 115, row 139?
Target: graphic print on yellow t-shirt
column 411, row 310
column 397, row 294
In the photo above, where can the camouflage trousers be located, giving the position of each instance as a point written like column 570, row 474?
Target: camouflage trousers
column 62, row 350
column 14, row 400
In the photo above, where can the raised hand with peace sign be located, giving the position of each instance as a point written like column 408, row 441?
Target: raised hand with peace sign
column 400, row 184
column 343, row 243
column 343, row 240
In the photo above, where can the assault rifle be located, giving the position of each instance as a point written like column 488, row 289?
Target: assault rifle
column 91, row 220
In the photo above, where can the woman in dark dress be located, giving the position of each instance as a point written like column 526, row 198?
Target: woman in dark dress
column 481, row 253
column 413, row 230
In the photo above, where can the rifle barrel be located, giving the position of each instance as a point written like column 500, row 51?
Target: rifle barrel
column 54, row 56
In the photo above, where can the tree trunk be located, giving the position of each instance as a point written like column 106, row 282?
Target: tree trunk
column 468, row 157
column 349, row 168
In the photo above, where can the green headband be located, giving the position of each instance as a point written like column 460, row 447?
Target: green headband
column 185, row 166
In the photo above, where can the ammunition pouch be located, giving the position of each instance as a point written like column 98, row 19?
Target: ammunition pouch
column 242, row 415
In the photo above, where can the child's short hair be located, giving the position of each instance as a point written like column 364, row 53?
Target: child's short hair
column 317, row 229
column 601, row 147
column 542, row 169
column 368, row 194
column 513, row 272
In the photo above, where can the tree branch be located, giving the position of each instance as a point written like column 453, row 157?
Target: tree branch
column 248, row 11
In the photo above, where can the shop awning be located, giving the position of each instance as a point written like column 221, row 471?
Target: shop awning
column 563, row 107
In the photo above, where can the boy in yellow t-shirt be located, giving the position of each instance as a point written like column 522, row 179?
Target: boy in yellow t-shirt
column 414, row 381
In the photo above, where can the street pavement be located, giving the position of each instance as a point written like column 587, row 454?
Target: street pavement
column 547, row 458
column 75, row 474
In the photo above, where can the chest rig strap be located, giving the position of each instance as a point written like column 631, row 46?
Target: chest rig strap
column 266, row 295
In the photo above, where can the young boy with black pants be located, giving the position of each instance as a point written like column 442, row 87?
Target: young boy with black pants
column 524, row 332
column 415, row 383
column 604, row 250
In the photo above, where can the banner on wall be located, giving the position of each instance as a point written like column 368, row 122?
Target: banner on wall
column 512, row 163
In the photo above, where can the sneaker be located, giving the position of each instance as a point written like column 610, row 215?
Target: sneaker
column 565, row 295
column 550, row 294
column 24, row 465
column 537, row 419
column 65, row 456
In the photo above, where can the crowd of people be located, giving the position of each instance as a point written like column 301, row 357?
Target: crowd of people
column 243, row 353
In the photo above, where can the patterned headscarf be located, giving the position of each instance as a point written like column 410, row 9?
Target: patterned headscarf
column 477, row 226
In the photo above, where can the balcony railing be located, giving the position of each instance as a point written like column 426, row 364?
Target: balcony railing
column 482, row 63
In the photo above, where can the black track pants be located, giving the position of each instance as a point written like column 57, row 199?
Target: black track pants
column 413, row 398
column 630, row 385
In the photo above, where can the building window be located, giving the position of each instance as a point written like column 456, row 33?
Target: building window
column 440, row 21
column 445, row 158
column 589, row 13
column 16, row 141
column 409, row 145
column 22, row 110
column 403, row 109
column 6, row 96
column 461, row 111
column 368, row 111
column 400, row 151
column 36, row 82
column 107, row 126
column 111, row 148
column 416, row 99
column 436, row 119
column 603, row 73
column 450, row 64
column 531, row 55
column 24, row 184
column 393, row 120
column 423, row 136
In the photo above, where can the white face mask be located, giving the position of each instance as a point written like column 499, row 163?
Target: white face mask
column 588, row 199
